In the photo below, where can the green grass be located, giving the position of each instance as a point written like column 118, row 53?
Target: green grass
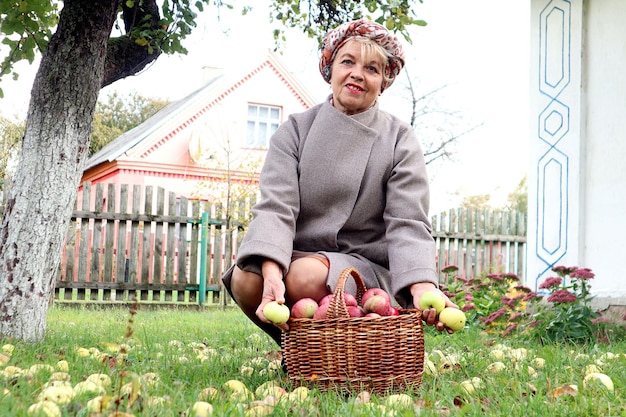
column 193, row 350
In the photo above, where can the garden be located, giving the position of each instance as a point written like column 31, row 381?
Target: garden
column 521, row 353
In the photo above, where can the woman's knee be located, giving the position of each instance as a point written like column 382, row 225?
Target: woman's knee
column 246, row 286
column 306, row 278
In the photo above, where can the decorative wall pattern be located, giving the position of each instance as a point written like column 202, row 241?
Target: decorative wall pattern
column 553, row 125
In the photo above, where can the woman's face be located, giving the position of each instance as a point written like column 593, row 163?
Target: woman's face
column 355, row 84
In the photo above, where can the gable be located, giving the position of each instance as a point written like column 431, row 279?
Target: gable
column 210, row 114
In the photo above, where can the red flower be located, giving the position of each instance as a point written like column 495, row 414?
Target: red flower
column 562, row 296
column 551, row 282
column 564, row 270
column 583, row 273
column 449, row 268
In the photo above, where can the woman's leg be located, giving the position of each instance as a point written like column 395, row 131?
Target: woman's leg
column 306, row 278
column 247, row 289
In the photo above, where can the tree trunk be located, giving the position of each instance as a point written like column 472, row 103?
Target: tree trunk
column 55, row 146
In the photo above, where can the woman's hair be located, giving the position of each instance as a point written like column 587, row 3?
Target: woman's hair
column 371, row 51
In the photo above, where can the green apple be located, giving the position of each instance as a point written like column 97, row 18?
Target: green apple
column 432, row 299
column 276, row 313
column 594, row 377
column 452, row 318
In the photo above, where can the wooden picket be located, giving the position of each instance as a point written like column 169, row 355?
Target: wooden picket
column 148, row 251
column 480, row 242
column 132, row 243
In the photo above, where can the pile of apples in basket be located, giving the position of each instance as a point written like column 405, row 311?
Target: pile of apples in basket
column 375, row 303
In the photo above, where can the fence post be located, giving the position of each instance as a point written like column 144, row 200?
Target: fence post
column 204, row 230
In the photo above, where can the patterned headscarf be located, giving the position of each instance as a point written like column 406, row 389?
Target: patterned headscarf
column 337, row 37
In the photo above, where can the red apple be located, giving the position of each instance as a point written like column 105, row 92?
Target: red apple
column 326, row 299
column 355, row 311
column 350, row 299
column 393, row 311
column 373, row 315
column 374, row 291
column 304, row 308
column 320, row 313
column 377, row 304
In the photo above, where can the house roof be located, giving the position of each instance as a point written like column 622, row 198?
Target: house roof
column 216, row 87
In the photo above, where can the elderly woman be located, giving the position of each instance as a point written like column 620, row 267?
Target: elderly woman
column 344, row 185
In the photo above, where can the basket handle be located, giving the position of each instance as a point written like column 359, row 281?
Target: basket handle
column 337, row 307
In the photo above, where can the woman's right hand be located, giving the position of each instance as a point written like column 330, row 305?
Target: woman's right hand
column 273, row 289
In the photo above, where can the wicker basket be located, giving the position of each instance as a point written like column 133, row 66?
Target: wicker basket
column 349, row 354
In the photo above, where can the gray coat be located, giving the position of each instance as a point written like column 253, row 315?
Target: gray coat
column 351, row 187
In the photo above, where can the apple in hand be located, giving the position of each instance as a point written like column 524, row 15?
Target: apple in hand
column 432, row 299
column 276, row 313
column 304, row 308
column 377, row 304
column 374, row 291
column 453, row 318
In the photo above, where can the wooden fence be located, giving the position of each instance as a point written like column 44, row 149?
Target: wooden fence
column 131, row 243
column 480, row 241
column 138, row 243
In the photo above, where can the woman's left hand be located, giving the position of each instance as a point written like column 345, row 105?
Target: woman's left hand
column 430, row 316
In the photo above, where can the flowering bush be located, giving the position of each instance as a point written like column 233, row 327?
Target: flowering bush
column 566, row 314
column 493, row 301
column 499, row 304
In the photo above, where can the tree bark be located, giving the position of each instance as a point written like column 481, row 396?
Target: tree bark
column 54, row 149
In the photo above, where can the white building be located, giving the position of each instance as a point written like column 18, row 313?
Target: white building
column 577, row 175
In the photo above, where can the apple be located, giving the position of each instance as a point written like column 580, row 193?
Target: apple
column 355, row 311
column 374, row 291
column 350, row 299
column 201, row 409
column 276, row 313
column 594, row 377
column 320, row 313
column 326, row 299
column 304, row 308
column 377, row 304
column 393, row 311
column 432, row 299
column 373, row 315
column 452, row 318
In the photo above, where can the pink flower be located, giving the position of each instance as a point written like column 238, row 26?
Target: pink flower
column 532, row 296
column 511, row 276
column 497, row 277
column 522, row 288
column 564, row 270
column 468, row 307
column 495, row 315
column 562, row 296
column 449, row 268
column 515, row 316
column 469, row 297
column 509, row 329
column 583, row 273
column 551, row 282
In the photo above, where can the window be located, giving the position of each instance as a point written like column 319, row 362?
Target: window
column 262, row 123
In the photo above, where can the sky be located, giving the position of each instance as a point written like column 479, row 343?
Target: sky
column 477, row 50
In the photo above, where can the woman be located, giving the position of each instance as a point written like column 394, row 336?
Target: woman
column 344, row 185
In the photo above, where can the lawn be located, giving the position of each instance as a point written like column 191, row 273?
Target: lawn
column 161, row 362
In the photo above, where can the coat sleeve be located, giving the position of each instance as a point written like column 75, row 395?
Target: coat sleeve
column 271, row 232
column 408, row 230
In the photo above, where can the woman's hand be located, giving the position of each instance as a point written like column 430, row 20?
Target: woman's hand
column 273, row 289
column 430, row 316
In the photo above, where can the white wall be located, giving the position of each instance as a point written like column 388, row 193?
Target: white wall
column 577, row 173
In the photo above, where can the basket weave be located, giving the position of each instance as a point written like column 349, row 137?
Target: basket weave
column 349, row 354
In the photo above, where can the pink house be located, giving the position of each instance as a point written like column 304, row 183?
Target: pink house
column 222, row 129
